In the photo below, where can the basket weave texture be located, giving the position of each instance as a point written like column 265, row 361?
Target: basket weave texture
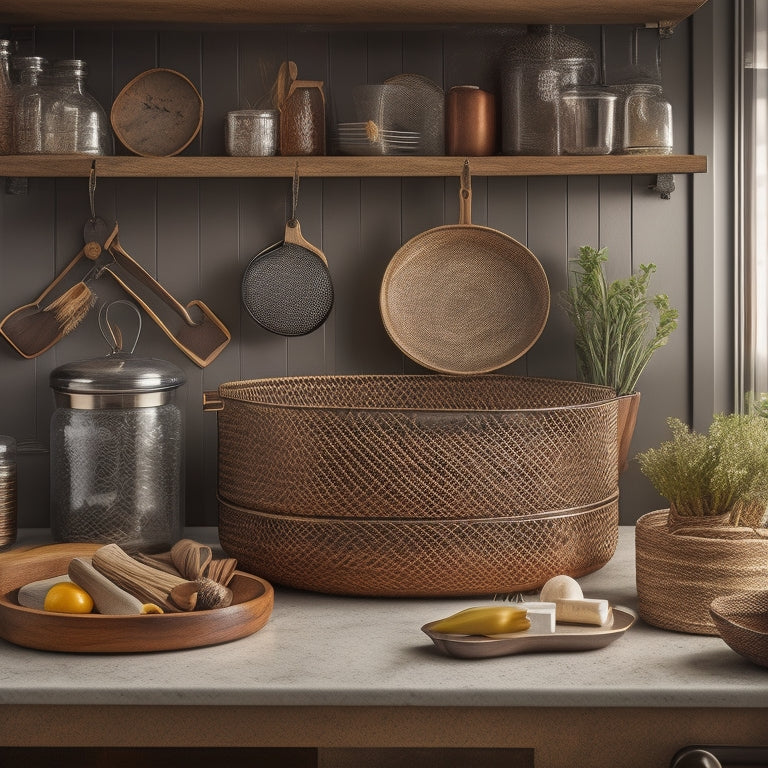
column 418, row 558
column 417, row 485
column 680, row 573
column 428, row 446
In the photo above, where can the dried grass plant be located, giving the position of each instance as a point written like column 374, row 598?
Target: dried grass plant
column 618, row 325
column 722, row 471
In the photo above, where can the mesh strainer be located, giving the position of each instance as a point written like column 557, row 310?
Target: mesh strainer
column 287, row 287
column 463, row 298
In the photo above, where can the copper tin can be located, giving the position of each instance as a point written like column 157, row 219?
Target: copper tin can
column 470, row 121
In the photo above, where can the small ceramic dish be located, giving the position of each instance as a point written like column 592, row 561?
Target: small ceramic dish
column 158, row 113
column 96, row 633
column 742, row 621
column 566, row 637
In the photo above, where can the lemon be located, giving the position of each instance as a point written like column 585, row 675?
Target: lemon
column 67, row 597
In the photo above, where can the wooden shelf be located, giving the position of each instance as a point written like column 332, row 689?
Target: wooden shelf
column 663, row 12
column 223, row 167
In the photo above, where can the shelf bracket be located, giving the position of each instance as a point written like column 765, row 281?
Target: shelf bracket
column 665, row 185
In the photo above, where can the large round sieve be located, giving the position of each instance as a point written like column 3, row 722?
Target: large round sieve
column 287, row 288
column 464, row 298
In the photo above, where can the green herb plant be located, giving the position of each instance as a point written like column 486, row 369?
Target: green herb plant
column 618, row 325
column 722, row 471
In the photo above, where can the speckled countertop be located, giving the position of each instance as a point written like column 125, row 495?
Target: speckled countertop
column 336, row 651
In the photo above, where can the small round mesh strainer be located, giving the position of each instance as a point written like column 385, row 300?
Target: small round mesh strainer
column 287, row 287
column 464, row 299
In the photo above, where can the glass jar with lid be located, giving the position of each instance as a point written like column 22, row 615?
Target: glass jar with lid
column 647, row 121
column 117, row 448
column 27, row 102
column 73, row 120
column 6, row 99
column 535, row 70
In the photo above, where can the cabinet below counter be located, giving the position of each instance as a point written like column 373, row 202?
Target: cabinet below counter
column 338, row 675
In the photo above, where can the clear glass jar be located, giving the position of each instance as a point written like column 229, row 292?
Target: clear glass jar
column 8, row 500
column 27, row 100
column 117, row 451
column 647, row 121
column 73, row 121
column 6, row 99
column 587, row 120
column 535, row 70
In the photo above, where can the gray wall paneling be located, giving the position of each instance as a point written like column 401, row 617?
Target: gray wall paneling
column 197, row 236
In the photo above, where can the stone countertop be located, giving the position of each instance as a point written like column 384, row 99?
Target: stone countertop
column 321, row 650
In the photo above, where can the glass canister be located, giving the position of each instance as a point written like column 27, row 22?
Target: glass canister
column 587, row 119
column 535, row 70
column 73, row 121
column 27, row 103
column 8, row 499
column 117, row 449
column 6, row 99
column 647, row 121
column 252, row 132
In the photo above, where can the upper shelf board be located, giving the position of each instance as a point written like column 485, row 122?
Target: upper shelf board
column 322, row 166
column 652, row 12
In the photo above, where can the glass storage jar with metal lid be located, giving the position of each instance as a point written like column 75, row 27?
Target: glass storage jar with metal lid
column 73, row 121
column 535, row 69
column 117, row 449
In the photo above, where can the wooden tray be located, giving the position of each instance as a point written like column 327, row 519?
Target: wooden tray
column 566, row 637
column 94, row 633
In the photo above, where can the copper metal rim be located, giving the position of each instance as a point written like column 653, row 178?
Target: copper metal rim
column 464, row 299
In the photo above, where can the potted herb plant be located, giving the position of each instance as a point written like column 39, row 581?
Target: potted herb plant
column 710, row 541
column 618, row 326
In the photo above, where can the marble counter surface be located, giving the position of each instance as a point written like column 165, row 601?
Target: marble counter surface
column 320, row 650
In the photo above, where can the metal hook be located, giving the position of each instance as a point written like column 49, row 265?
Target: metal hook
column 92, row 189
column 112, row 334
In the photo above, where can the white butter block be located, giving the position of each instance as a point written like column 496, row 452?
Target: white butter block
column 584, row 611
column 542, row 616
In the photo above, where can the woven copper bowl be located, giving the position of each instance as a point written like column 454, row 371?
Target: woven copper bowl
column 742, row 621
column 424, row 446
column 426, row 484
column 419, row 558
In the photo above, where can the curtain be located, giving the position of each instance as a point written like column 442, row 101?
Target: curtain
column 752, row 198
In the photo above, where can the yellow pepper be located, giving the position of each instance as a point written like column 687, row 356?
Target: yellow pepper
column 484, row 620
column 67, row 597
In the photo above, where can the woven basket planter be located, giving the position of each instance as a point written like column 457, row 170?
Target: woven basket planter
column 417, row 485
column 680, row 571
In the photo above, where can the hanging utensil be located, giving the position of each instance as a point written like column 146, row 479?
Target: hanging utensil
column 463, row 298
column 287, row 287
column 34, row 328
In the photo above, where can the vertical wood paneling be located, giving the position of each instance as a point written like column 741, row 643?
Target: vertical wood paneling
column 198, row 236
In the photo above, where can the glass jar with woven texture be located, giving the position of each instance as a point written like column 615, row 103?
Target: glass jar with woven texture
column 6, row 99
column 117, row 448
column 535, row 69
column 73, row 121
column 647, row 121
column 27, row 102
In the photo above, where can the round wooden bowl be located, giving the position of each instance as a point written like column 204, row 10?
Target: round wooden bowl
column 158, row 113
column 742, row 621
column 95, row 633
